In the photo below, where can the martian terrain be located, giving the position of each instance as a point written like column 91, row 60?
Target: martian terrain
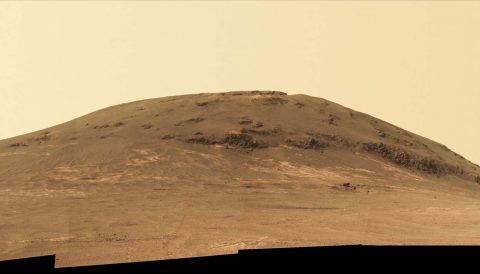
column 212, row 173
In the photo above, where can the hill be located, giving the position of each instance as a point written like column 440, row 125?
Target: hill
column 210, row 173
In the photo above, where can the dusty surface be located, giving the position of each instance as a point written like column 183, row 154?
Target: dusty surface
column 210, row 174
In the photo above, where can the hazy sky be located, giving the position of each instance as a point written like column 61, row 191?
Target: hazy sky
column 414, row 64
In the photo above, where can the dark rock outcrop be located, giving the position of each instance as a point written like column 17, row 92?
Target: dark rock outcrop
column 308, row 143
column 242, row 140
column 202, row 140
column 261, row 131
column 407, row 159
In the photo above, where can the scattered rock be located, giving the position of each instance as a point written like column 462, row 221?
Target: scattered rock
column 477, row 179
column 102, row 126
column 349, row 186
column 147, row 126
column 300, row 105
column 190, row 121
column 445, row 147
column 258, row 125
column 198, row 133
column 245, row 121
column 332, row 119
column 459, row 156
column 407, row 143
column 345, row 186
column 42, row 138
column 168, row 137
column 331, row 137
column 272, row 101
column 268, row 92
column 18, row 145
column 382, row 133
column 119, row 124
column 202, row 104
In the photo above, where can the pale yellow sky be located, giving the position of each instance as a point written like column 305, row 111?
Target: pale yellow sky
column 414, row 64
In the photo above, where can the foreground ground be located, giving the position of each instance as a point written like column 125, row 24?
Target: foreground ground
column 103, row 222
